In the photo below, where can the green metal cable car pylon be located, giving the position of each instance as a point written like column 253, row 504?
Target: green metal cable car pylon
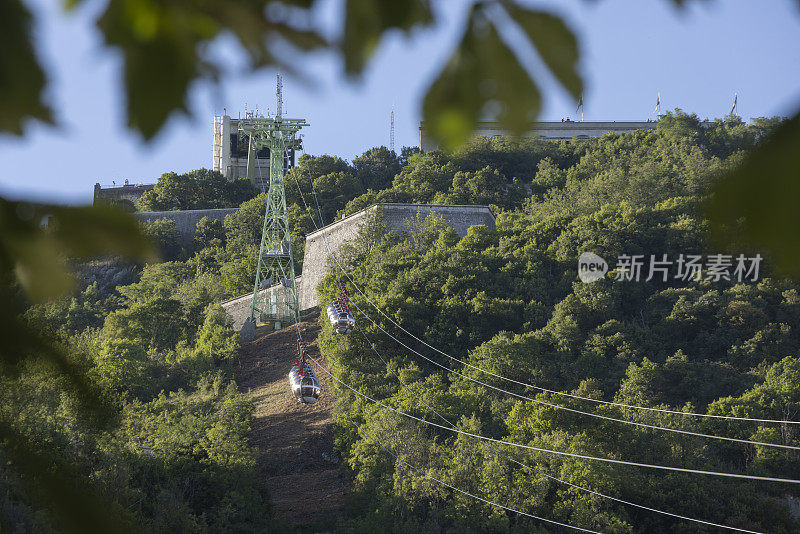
column 275, row 261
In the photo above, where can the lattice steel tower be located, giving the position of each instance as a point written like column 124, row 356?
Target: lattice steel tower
column 275, row 261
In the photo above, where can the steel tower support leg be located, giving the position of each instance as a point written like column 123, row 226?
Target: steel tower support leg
column 275, row 258
column 251, row 164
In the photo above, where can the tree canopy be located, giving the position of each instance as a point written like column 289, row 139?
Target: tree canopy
column 506, row 300
column 195, row 190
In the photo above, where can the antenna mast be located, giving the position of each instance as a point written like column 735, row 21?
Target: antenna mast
column 279, row 93
column 391, row 130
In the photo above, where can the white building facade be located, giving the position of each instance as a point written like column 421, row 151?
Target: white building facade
column 229, row 156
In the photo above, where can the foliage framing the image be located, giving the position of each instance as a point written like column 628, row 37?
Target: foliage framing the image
column 765, row 191
column 35, row 242
column 22, row 79
column 166, row 41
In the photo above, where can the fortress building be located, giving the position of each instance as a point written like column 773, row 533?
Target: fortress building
column 326, row 242
column 229, row 156
column 551, row 130
column 229, row 151
column 124, row 195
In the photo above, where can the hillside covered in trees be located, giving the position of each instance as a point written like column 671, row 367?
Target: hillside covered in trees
column 176, row 455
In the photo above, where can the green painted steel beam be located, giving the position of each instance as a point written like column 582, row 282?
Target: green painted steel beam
column 275, row 259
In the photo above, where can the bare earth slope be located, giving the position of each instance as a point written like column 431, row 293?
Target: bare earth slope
column 294, row 440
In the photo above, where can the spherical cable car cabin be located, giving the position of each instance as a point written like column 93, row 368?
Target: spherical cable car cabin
column 339, row 313
column 305, row 387
column 302, row 380
column 342, row 320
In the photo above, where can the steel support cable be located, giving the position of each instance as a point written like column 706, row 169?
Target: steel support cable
column 561, row 453
column 523, row 397
column 533, row 469
column 525, row 384
column 478, row 439
column 573, row 410
column 561, row 393
column 622, row 501
column 443, row 483
column 551, row 521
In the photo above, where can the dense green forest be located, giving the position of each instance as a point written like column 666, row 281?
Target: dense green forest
column 508, row 301
column 176, row 457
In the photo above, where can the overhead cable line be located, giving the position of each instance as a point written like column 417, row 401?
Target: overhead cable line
column 561, row 453
column 562, row 393
column 517, row 395
column 478, row 440
column 539, row 388
column 573, row 410
column 425, row 474
column 404, row 462
column 533, row 469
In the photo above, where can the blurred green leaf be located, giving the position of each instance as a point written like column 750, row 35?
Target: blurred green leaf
column 367, row 20
column 555, row 43
column 39, row 267
column 160, row 57
column 95, row 230
column 481, row 71
column 22, row 81
column 162, row 44
column 60, row 486
column 760, row 198
column 37, row 254
column 19, row 340
column 22, row 342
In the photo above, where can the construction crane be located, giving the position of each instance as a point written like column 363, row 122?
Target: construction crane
column 275, row 260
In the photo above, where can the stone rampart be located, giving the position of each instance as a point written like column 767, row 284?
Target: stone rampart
column 329, row 240
column 238, row 309
column 125, row 195
column 185, row 220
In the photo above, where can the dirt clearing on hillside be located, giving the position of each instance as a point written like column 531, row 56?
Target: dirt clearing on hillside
column 295, row 443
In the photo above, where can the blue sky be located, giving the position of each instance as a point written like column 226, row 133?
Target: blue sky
column 632, row 49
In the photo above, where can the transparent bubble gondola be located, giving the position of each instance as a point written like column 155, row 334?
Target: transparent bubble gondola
column 302, row 380
column 304, row 384
column 342, row 320
column 339, row 313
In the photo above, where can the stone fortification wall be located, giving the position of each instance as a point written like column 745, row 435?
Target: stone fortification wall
column 186, row 220
column 125, row 195
column 238, row 309
column 322, row 243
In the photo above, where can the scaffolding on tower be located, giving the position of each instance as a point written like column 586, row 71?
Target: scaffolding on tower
column 275, row 261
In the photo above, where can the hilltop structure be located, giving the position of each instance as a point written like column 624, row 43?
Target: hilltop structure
column 564, row 130
column 229, row 158
column 125, row 195
column 229, row 149
column 322, row 245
